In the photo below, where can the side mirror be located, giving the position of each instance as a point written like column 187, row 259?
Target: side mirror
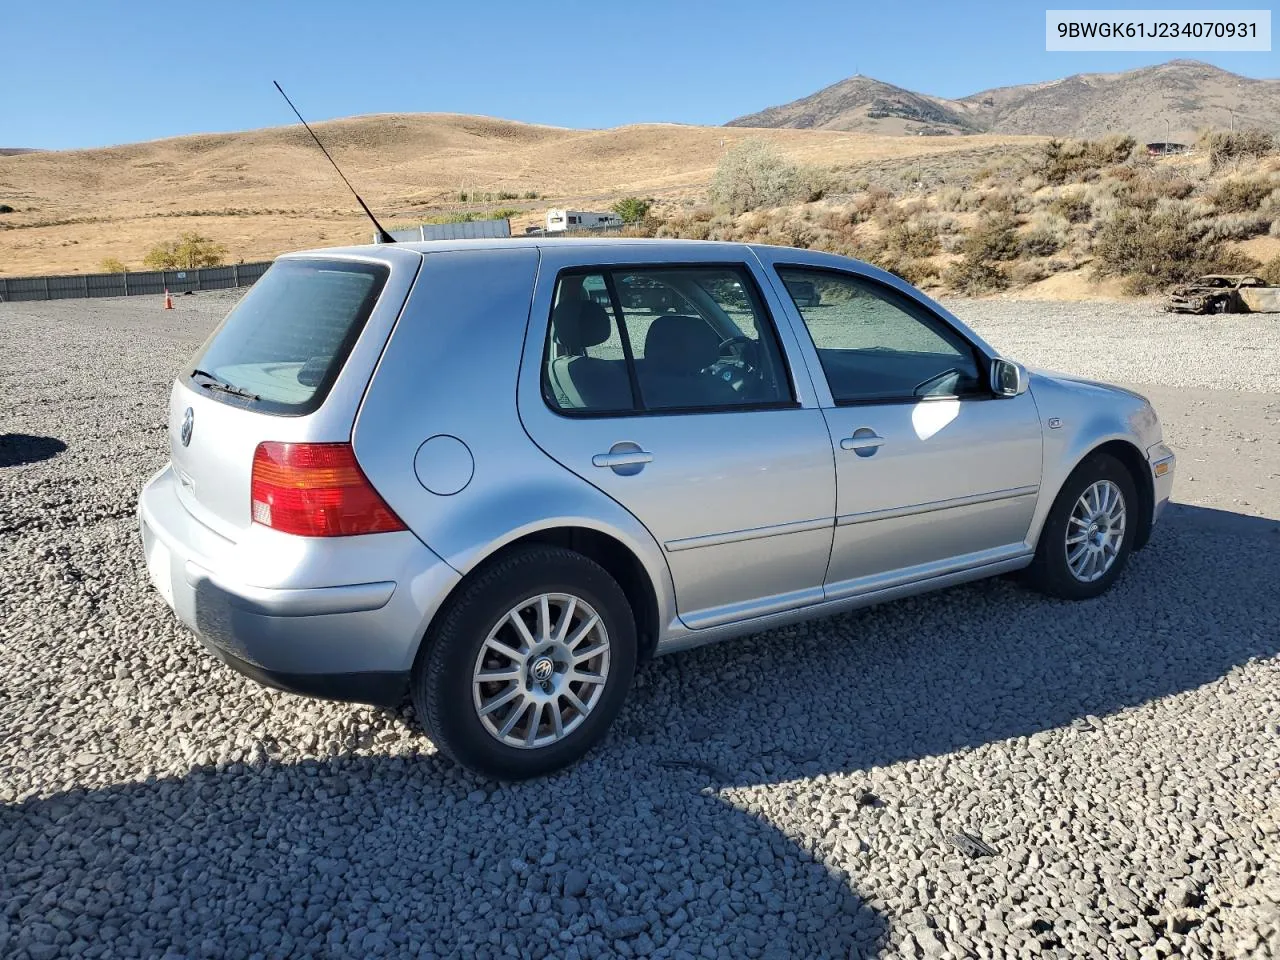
column 1008, row 379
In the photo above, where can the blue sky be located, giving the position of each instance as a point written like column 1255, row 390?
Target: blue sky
column 77, row 74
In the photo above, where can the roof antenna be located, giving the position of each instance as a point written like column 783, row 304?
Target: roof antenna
column 383, row 236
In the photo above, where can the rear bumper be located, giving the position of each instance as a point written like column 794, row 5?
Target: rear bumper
column 379, row 689
column 339, row 618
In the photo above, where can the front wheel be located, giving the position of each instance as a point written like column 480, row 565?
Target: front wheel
column 529, row 664
column 1089, row 533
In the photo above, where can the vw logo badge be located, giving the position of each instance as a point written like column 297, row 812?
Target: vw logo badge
column 542, row 669
column 188, row 421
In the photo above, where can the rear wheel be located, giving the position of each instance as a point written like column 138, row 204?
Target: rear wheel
column 1089, row 533
column 529, row 664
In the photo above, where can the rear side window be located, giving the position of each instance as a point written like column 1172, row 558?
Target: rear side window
column 670, row 338
column 287, row 339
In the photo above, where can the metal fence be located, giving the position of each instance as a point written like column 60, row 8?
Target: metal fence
column 130, row 284
column 463, row 230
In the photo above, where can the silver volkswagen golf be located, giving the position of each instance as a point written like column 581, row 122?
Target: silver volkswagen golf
column 494, row 475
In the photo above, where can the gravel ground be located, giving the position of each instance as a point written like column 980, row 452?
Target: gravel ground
column 810, row 792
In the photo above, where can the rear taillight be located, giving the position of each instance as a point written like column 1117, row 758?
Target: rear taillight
column 316, row 490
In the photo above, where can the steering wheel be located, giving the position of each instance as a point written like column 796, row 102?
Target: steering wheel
column 746, row 359
column 738, row 366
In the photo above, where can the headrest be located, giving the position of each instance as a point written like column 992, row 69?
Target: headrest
column 679, row 344
column 579, row 324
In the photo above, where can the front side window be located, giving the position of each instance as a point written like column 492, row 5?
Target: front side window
column 875, row 345
column 661, row 339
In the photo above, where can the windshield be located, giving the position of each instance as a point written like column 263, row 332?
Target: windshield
column 284, row 344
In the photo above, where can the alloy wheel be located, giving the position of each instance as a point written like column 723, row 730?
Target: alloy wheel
column 1095, row 531
column 541, row 670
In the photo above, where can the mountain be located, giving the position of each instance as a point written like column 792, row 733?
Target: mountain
column 1173, row 99
column 867, row 106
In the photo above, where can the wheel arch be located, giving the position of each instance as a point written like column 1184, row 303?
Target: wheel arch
column 1135, row 462
column 619, row 560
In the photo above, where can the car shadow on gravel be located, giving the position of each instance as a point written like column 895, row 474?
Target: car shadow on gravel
column 367, row 856
column 657, row 838
column 971, row 665
column 17, row 449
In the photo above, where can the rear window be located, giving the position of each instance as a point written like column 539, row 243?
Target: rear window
column 287, row 339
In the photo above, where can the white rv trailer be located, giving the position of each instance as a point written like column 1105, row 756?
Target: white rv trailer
column 560, row 220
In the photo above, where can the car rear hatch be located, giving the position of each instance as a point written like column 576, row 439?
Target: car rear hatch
column 289, row 364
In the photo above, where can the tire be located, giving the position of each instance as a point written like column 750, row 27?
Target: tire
column 1050, row 572
column 448, row 695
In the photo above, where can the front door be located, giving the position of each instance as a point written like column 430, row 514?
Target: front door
column 934, row 473
column 666, row 387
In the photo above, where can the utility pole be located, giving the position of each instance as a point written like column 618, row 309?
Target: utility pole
column 1168, row 134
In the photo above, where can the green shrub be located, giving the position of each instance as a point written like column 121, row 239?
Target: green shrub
column 111, row 265
column 912, row 239
column 974, row 276
column 1041, row 242
column 1242, row 195
column 1223, row 146
column 1238, row 226
column 1072, row 207
column 1071, row 160
column 632, row 209
column 189, row 252
column 753, row 175
column 958, row 200
column 994, row 237
column 5, row 208
column 1270, row 271
column 1153, row 249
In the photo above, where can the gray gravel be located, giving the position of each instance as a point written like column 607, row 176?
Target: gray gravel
column 811, row 792
column 1133, row 342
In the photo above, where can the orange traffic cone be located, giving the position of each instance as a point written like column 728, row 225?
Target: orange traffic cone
column 168, row 300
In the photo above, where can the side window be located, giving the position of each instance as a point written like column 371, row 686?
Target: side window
column 874, row 345
column 700, row 338
column 585, row 366
column 686, row 338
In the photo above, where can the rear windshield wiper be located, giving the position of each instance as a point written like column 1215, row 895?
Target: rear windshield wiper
column 217, row 383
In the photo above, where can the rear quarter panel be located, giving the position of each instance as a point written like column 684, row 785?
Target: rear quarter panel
column 451, row 369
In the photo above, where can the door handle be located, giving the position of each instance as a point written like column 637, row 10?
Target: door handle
column 625, row 458
column 864, row 441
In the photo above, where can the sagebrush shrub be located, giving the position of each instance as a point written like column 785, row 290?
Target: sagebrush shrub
column 912, row 239
column 1072, row 207
column 1242, row 195
column 1065, row 161
column 1223, row 146
column 994, row 237
column 1154, row 249
column 752, row 175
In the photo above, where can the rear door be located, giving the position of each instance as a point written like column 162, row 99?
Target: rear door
column 934, row 473
column 667, row 386
column 288, row 363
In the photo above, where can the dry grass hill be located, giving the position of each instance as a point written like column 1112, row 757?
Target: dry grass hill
column 987, row 207
column 262, row 192
column 1174, row 99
